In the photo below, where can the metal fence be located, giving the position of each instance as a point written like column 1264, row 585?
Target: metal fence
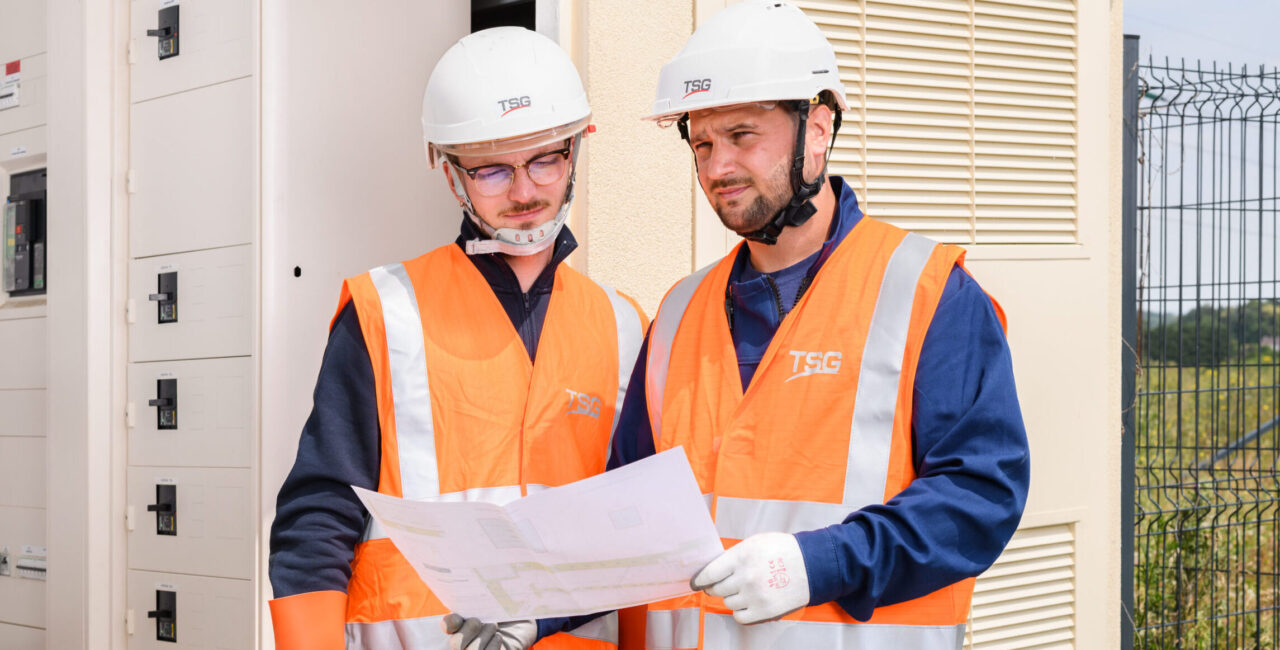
column 1203, row 351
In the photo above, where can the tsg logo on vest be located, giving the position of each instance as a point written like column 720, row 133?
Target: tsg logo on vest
column 583, row 404
column 814, row 363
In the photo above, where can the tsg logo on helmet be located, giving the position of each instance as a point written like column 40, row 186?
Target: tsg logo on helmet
column 508, row 105
column 694, row 86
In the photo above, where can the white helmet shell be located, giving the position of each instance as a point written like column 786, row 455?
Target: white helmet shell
column 753, row 51
column 500, row 90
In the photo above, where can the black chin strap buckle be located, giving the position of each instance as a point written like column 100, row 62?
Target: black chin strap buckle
column 799, row 208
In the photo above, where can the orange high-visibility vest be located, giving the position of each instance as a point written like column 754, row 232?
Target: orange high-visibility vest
column 465, row 415
column 823, row 429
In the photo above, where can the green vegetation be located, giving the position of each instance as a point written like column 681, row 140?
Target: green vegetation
column 1210, row 336
column 1206, row 572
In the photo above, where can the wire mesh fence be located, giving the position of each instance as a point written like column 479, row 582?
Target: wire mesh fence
column 1205, row 489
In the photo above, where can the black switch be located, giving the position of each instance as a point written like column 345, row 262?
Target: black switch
column 166, row 615
column 166, row 509
column 22, row 246
column 166, row 403
column 166, row 298
column 167, row 33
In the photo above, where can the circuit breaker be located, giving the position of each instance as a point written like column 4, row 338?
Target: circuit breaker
column 167, row 32
column 166, row 615
column 166, row 297
column 166, row 403
column 24, row 235
column 166, row 509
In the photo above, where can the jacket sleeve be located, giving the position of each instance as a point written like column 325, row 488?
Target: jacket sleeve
column 318, row 517
column 972, row 472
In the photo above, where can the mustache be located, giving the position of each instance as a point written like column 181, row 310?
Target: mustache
column 730, row 182
column 524, row 207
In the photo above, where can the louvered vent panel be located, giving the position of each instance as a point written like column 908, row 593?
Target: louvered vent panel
column 962, row 121
column 1027, row 598
column 1024, row 122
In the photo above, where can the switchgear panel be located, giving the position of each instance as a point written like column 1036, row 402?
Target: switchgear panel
column 25, row 245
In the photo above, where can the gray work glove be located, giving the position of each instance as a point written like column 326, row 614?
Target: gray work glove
column 474, row 634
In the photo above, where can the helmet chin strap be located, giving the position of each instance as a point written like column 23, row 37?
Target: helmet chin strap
column 519, row 241
column 799, row 208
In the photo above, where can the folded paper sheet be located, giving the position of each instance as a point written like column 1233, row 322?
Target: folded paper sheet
column 634, row 535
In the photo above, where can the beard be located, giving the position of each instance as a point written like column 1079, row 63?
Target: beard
column 772, row 194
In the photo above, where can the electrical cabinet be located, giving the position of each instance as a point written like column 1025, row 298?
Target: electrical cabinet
column 213, row 311
column 21, row 598
column 169, row 611
column 19, row 637
column 22, row 93
column 22, row 472
column 23, row 149
column 23, row 343
column 22, row 32
column 23, row 410
column 193, row 169
column 191, row 521
column 191, row 413
column 215, row 44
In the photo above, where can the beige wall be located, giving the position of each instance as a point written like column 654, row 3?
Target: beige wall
column 637, row 226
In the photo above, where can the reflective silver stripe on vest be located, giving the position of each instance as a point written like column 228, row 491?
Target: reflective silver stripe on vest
column 724, row 633
column 604, row 628
column 405, row 634
column 410, row 393
column 661, row 336
column 630, row 337
column 499, row 495
column 871, row 432
column 672, row 629
column 741, row 518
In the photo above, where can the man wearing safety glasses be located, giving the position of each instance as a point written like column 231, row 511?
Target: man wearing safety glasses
column 481, row 371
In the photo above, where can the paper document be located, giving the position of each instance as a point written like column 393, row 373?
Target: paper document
column 634, row 535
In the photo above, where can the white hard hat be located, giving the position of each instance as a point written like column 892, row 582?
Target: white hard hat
column 753, row 51
column 501, row 90
column 498, row 91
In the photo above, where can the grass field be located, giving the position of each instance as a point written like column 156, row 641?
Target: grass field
column 1206, row 573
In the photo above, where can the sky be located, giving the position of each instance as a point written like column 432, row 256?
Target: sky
column 1207, row 246
column 1235, row 31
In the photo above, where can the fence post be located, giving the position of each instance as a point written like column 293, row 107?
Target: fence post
column 1129, row 338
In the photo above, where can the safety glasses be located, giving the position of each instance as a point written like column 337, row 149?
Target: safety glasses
column 543, row 169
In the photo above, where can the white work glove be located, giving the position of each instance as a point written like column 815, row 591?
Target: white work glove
column 474, row 634
column 760, row 579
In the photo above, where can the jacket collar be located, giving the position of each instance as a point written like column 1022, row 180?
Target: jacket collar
column 500, row 276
